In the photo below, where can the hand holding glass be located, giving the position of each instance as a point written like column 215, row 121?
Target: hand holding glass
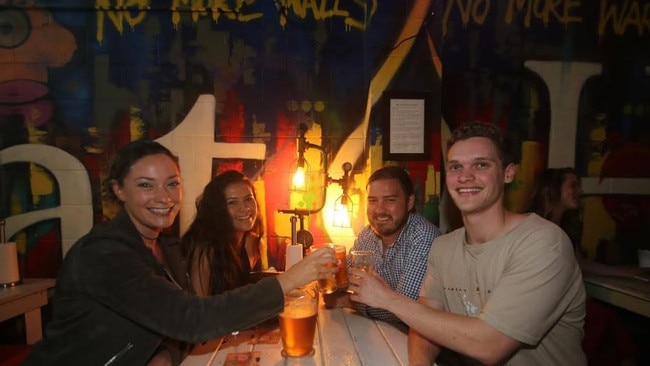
column 327, row 285
column 363, row 260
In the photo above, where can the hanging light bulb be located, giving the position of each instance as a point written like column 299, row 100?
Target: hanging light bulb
column 300, row 178
column 300, row 168
column 304, row 181
column 343, row 207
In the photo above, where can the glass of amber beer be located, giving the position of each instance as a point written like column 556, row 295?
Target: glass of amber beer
column 341, row 262
column 327, row 285
column 298, row 322
column 363, row 260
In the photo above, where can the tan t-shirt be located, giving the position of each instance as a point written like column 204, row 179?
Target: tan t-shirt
column 526, row 284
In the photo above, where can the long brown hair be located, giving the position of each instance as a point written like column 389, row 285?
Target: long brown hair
column 548, row 189
column 212, row 236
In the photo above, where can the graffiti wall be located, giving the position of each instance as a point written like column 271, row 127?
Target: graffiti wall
column 227, row 84
column 570, row 79
column 224, row 84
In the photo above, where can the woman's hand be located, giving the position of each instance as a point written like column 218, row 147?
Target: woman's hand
column 320, row 264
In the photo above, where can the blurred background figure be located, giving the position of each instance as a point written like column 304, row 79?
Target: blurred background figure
column 557, row 197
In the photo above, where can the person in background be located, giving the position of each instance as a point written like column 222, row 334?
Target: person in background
column 399, row 237
column 557, row 198
column 119, row 294
column 505, row 288
column 223, row 242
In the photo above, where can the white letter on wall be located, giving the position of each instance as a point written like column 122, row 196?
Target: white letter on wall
column 564, row 81
column 193, row 142
column 76, row 209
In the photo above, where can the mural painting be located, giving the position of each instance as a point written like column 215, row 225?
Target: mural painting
column 221, row 84
column 227, row 84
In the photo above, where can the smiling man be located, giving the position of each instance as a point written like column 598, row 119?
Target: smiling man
column 399, row 237
column 505, row 288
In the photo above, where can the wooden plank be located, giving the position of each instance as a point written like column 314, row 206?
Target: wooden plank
column 20, row 305
column 29, row 295
column 203, row 354
column 25, row 288
column 26, row 298
column 337, row 345
column 369, row 342
column 343, row 338
column 33, row 327
column 618, row 298
column 397, row 339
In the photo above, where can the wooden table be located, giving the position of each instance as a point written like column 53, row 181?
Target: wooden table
column 343, row 338
column 628, row 293
column 26, row 298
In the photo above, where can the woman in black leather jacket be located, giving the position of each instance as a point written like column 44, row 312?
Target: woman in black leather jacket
column 119, row 293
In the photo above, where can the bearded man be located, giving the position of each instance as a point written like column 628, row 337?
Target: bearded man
column 399, row 237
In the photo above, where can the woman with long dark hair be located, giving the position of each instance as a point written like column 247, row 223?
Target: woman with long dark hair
column 223, row 242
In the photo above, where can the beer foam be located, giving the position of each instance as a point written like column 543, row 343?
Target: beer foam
column 297, row 312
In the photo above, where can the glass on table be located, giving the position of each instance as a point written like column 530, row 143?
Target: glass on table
column 298, row 322
column 327, row 285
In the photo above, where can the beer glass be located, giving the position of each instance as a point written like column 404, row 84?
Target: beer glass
column 327, row 285
column 362, row 259
column 298, row 322
column 341, row 262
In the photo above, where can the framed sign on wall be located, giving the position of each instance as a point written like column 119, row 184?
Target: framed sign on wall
column 407, row 125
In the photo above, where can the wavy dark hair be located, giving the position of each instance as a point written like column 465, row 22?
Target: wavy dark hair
column 548, row 188
column 123, row 160
column 212, row 236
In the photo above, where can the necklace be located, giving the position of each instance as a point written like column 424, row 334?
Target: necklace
column 147, row 237
column 154, row 247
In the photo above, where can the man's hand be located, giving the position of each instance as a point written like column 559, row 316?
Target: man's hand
column 369, row 288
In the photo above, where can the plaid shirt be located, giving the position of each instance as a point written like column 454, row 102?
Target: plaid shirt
column 404, row 264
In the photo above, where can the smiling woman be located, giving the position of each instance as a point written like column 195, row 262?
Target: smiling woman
column 151, row 198
column 223, row 241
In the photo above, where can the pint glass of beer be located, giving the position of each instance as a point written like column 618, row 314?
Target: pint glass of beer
column 363, row 260
column 327, row 285
column 341, row 262
column 298, row 322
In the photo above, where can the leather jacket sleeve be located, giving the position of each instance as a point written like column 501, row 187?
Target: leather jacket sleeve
column 131, row 283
